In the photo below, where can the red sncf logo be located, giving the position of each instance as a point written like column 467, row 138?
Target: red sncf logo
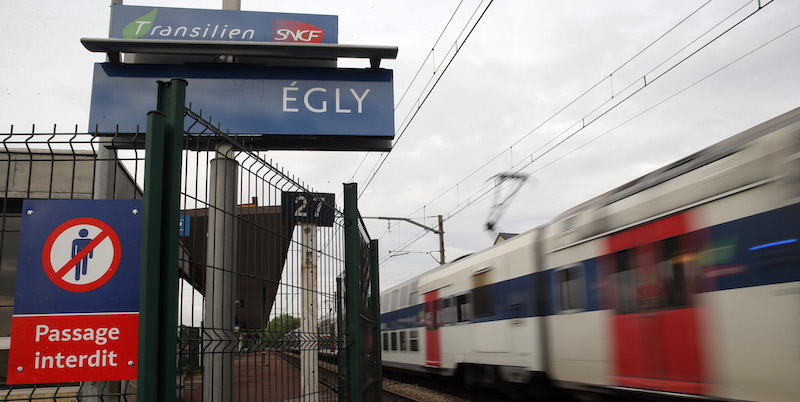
column 293, row 31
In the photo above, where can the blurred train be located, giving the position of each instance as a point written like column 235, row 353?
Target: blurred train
column 682, row 283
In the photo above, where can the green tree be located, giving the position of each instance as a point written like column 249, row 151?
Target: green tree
column 276, row 331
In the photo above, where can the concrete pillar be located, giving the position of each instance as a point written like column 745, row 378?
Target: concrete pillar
column 309, row 350
column 220, row 285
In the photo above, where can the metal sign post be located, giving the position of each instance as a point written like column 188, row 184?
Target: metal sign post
column 158, row 301
column 309, row 104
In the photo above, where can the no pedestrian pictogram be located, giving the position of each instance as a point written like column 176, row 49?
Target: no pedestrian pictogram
column 81, row 254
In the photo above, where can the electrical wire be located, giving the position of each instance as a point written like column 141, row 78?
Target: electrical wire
column 483, row 192
column 414, row 79
column 421, row 101
column 486, row 190
column 567, row 106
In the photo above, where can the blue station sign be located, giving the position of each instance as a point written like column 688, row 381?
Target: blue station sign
column 138, row 22
column 284, row 107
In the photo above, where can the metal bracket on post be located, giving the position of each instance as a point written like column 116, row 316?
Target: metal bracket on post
column 158, row 295
column 440, row 232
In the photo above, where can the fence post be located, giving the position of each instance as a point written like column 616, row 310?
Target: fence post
column 341, row 350
column 158, row 295
column 376, row 313
column 352, row 293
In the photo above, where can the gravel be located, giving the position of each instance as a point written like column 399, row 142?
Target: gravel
column 418, row 393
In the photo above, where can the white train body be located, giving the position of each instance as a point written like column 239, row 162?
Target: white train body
column 683, row 282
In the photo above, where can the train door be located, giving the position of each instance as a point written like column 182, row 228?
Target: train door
column 657, row 333
column 432, row 342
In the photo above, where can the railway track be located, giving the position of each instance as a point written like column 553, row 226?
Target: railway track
column 433, row 388
column 403, row 389
column 328, row 371
column 391, row 396
column 396, row 391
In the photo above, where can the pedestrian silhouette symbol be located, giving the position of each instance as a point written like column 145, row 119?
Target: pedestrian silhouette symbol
column 78, row 245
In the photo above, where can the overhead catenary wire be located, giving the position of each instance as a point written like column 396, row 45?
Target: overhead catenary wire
column 429, row 56
column 484, row 191
column 684, row 89
column 416, row 75
column 421, row 101
column 469, row 200
column 568, row 105
column 582, row 123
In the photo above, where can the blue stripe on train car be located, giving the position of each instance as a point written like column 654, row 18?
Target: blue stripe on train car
column 408, row 317
column 511, row 298
column 762, row 249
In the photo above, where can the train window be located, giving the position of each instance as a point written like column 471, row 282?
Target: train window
column 437, row 307
column 448, row 310
column 482, row 293
column 413, row 340
column 385, row 341
column 395, row 293
column 403, row 297
column 445, row 306
column 571, row 285
column 626, row 282
column 674, row 273
column 463, row 308
column 452, row 311
column 394, row 340
column 403, row 344
column 432, row 314
column 413, row 298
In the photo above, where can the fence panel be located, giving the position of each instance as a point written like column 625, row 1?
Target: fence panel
column 266, row 283
column 259, row 309
column 56, row 165
column 362, row 379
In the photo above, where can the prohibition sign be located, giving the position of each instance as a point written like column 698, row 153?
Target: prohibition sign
column 98, row 258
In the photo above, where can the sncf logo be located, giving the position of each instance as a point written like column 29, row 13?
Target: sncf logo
column 293, row 31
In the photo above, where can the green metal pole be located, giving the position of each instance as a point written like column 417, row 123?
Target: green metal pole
column 174, row 110
column 376, row 312
column 341, row 352
column 352, row 257
column 158, row 303
column 149, row 280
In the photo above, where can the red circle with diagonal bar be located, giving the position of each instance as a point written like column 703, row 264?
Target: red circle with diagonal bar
column 104, row 267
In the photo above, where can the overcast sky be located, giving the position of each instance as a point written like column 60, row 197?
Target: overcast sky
column 494, row 108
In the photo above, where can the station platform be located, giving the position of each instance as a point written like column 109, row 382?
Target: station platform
column 257, row 377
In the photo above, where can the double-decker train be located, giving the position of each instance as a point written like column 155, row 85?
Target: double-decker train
column 684, row 282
